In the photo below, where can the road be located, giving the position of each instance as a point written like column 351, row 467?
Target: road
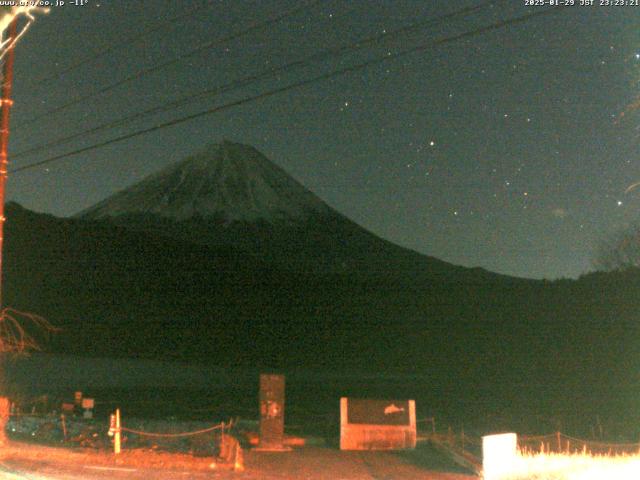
column 27, row 462
column 30, row 470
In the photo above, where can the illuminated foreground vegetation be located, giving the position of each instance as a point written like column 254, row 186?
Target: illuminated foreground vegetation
column 554, row 466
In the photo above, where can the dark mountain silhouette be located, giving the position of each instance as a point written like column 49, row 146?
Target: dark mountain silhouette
column 116, row 290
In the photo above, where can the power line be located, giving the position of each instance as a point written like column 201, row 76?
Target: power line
column 267, row 73
column 295, row 85
column 173, row 61
column 126, row 42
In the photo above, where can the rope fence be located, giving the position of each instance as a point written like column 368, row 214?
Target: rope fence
column 220, row 426
column 560, row 443
column 467, row 447
column 205, row 440
column 226, row 447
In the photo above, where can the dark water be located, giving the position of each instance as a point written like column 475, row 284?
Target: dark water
column 159, row 390
column 312, row 407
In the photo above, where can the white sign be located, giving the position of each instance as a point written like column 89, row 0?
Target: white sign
column 499, row 455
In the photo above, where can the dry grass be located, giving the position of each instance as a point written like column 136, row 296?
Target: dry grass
column 140, row 458
column 553, row 466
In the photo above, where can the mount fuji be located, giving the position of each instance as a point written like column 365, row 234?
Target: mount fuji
column 228, row 182
column 231, row 195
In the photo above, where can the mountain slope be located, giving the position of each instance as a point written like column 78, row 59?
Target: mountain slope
column 232, row 195
column 118, row 291
column 228, row 182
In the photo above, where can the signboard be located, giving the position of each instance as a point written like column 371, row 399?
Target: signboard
column 499, row 455
column 272, row 413
column 377, row 424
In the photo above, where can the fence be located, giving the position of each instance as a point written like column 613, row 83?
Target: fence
column 467, row 450
column 169, row 435
column 227, row 448
column 560, row 443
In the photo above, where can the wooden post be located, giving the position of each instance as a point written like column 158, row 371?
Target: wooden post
column 462, row 437
column 116, row 438
column 5, row 105
column 559, row 442
column 64, row 426
column 238, row 461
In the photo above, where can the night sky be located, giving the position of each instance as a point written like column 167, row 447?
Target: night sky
column 506, row 149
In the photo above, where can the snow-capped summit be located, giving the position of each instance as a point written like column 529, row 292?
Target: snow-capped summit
column 228, row 181
column 231, row 196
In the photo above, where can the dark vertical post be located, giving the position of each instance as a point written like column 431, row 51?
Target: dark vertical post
column 271, row 412
column 5, row 106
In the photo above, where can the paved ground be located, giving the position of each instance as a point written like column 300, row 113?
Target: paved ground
column 29, row 470
column 27, row 462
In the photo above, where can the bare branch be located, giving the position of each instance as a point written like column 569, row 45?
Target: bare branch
column 621, row 252
column 14, row 330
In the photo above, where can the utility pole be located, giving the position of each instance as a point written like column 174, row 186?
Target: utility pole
column 5, row 107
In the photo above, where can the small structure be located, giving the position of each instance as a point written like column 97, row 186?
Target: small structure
column 87, row 407
column 499, row 455
column 377, row 424
column 272, row 413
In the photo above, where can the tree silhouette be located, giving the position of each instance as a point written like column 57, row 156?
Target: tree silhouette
column 620, row 252
column 17, row 330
